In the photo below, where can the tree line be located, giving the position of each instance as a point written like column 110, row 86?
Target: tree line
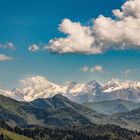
column 107, row 132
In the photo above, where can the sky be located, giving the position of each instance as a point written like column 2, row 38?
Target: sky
column 64, row 40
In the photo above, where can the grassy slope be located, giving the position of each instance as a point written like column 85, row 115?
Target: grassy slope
column 15, row 107
column 13, row 136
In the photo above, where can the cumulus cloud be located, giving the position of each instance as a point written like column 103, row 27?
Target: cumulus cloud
column 33, row 48
column 79, row 39
column 97, row 68
column 8, row 46
column 120, row 32
column 84, row 69
column 5, row 57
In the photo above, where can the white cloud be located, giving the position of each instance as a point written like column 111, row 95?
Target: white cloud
column 8, row 46
column 79, row 39
column 97, row 68
column 84, row 69
column 129, row 71
column 33, row 48
column 130, row 8
column 122, row 32
column 5, row 57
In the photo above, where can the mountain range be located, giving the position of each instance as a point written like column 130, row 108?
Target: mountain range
column 56, row 111
column 93, row 91
column 59, row 111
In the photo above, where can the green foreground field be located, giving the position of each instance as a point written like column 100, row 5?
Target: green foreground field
column 14, row 136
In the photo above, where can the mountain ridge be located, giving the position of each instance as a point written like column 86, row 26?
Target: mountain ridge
column 61, row 112
column 39, row 87
column 112, row 106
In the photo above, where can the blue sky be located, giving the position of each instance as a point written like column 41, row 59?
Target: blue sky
column 27, row 22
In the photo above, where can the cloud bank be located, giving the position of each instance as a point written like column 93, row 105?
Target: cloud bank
column 5, row 57
column 119, row 33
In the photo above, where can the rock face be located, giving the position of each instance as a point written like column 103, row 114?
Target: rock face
column 40, row 87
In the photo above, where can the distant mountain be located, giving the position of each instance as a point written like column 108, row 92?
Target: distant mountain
column 129, row 120
column 127, row 90
column 56, row 111
column 115, row 85
column 113, row 106
column 40, row 87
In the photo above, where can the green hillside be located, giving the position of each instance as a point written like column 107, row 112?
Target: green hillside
column 13, row 136
column 59, row 111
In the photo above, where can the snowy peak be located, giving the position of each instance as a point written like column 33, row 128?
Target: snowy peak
column 112, row 85
column 37, row 87
column 94, row 85
column 116, row 84
column 90, row 87
column 40, row 87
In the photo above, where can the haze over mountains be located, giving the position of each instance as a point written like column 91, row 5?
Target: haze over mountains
column 112, row 106
column 93, row 91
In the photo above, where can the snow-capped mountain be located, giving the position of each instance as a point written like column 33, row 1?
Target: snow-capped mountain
column 127, row 90
column 40, row 87
column 116, row 84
